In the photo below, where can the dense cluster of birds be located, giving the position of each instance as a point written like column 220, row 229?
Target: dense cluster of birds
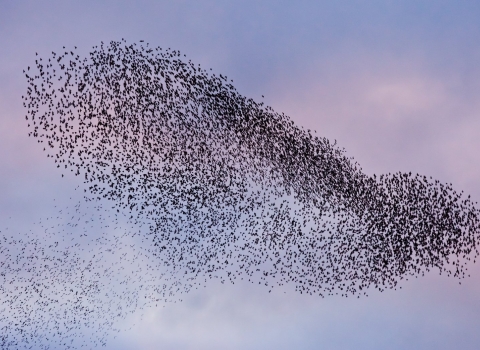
column 227, row 188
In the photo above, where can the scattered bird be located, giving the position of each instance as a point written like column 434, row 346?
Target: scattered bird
column 225, row 188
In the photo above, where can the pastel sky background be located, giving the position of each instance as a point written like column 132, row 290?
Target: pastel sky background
column 397, row 83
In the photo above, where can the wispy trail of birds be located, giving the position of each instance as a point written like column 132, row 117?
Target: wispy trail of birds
column 224, row 187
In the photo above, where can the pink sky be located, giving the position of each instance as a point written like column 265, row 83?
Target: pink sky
column 395, row 83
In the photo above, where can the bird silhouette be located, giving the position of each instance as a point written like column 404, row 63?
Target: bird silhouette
column 213, row 185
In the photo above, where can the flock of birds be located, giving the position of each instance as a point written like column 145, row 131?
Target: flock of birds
column 209, row 184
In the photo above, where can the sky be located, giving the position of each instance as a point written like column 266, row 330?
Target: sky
column 393, row 82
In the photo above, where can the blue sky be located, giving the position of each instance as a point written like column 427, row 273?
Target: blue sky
column 394, row 82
